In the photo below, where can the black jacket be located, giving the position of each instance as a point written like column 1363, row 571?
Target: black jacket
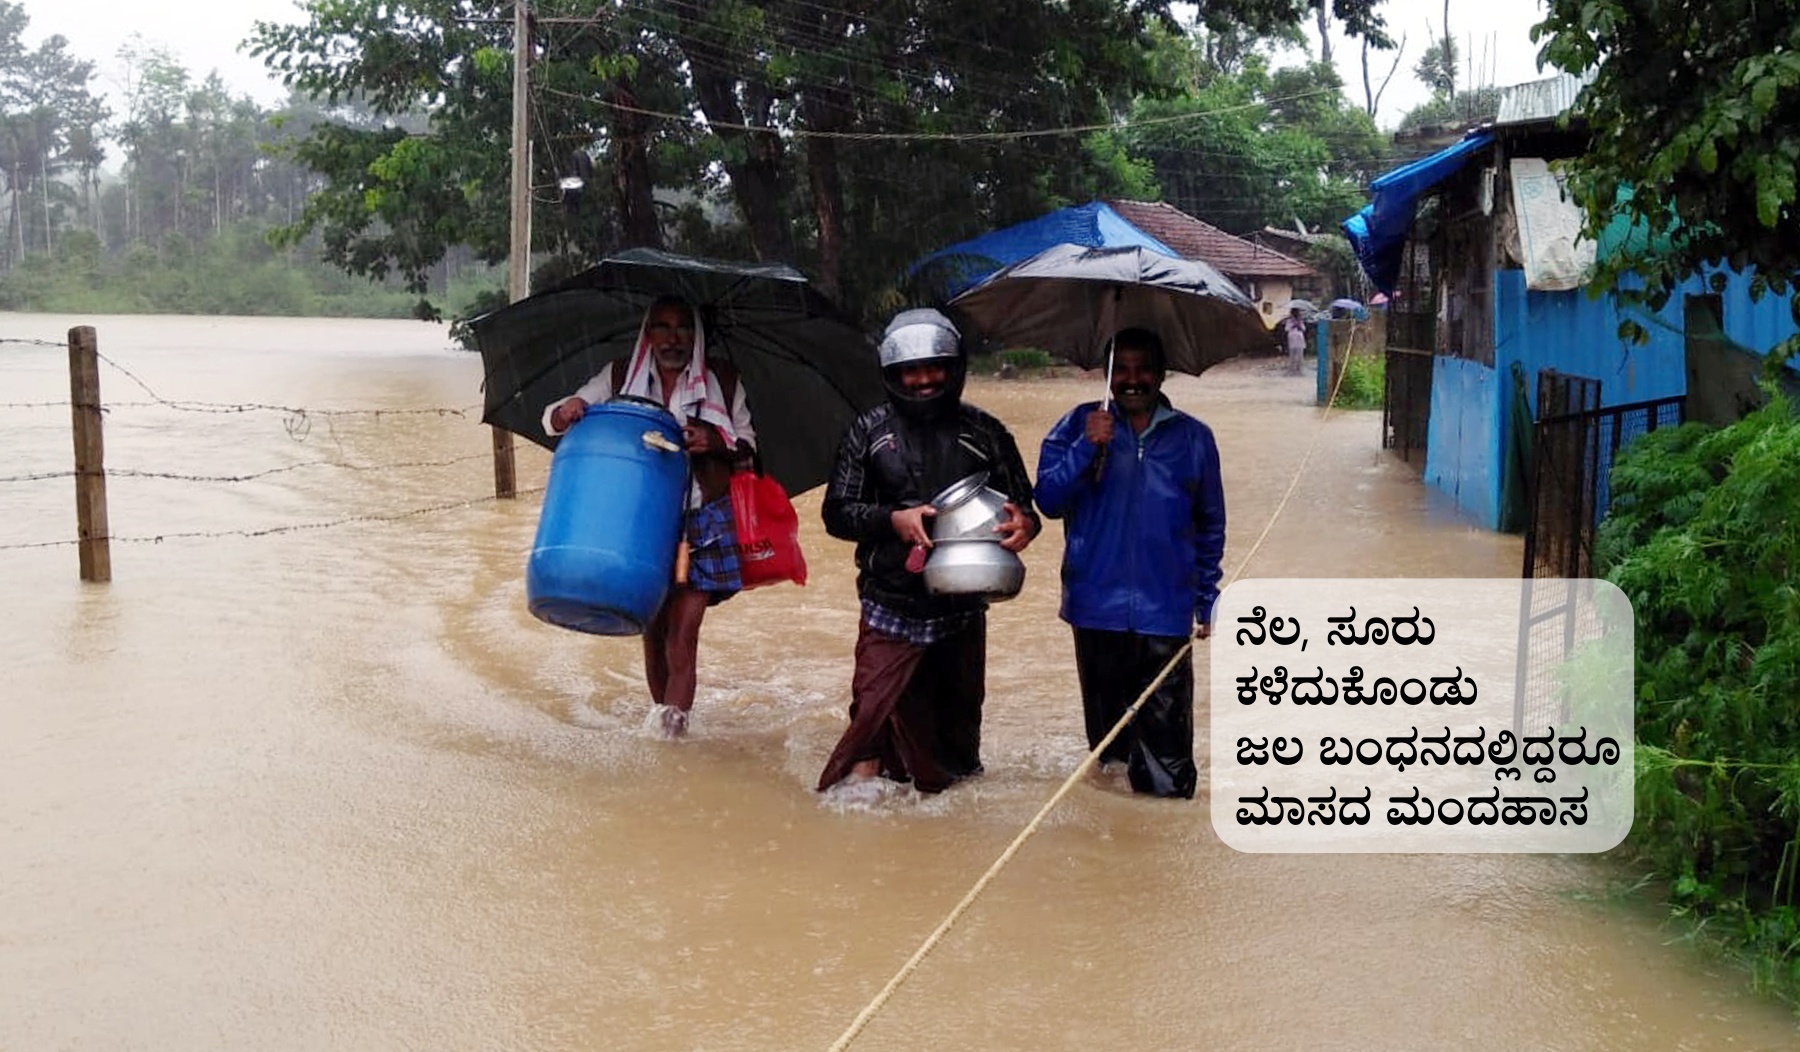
column 887, row 462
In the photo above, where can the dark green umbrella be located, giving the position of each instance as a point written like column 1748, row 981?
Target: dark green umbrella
column 807, row 370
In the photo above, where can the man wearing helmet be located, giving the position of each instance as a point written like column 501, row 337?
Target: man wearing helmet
column 921, row 659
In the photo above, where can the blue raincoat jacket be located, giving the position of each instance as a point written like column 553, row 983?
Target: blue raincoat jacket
column 1143, row 545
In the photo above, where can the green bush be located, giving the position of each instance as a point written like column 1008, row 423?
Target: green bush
column 1014, row 360
column 1364, row 383
column 236, row 272
column 1703, row 535
column 1027, row 358
column 479, row 301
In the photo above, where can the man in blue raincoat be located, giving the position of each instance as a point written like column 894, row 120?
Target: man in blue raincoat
column 1137, row 487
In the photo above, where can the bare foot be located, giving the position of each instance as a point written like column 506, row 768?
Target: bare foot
column 667, row 722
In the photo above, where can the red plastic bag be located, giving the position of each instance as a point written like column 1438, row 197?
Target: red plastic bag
column 768, row 531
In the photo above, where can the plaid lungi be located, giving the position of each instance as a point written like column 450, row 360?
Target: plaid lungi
column 713, row 564
column 915, row 631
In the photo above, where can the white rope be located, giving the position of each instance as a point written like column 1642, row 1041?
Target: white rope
column 931, row 941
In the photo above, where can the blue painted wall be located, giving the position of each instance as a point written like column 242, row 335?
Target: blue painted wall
column 1571, row 333
column 1758, row 326
column 1462, row 453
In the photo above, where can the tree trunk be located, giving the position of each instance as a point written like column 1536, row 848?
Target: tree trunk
column 1372, row 94
column 44, row 172
column 1449, row 57
column 16, row 221
column 752, row 158
column 753, row 162
column 632, row 181
column 828, row 108
column 1368, row 89
column 822, row 112
column 1324, row 15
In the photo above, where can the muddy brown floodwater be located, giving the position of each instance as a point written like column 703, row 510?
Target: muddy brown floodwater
column 334, row 788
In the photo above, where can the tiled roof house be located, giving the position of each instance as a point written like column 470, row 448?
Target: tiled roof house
column 1265, row 274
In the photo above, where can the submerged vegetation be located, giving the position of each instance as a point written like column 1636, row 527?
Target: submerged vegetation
column 1364, row 383
column 1702, row 537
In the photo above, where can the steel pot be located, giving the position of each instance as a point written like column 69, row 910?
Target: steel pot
column 968, row 509
column 966, row 566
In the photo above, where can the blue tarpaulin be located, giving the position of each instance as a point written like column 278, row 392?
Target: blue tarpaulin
column 1093, row 225
column 1378, row 232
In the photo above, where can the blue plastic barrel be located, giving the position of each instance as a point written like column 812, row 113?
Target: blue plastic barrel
column 611, row 521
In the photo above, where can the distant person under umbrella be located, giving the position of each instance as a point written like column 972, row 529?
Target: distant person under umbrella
column 1293, row 333
column 669, row 367
column 1141, row 565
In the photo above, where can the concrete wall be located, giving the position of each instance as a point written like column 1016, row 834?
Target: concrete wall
column 1272, row 295
column 1340, row 338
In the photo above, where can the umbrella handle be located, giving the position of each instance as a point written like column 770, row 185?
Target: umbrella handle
column 1106, row 404
column 1112, row 339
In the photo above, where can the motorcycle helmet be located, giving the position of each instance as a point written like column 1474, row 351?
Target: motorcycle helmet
column 913, row 337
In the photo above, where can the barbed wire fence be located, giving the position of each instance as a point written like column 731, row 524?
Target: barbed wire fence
column 297, row 421
column 271, row 531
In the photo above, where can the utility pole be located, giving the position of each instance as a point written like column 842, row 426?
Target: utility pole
column 518, row 257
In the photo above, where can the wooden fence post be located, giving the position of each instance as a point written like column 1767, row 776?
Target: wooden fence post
column 90, row 455
column 505, row 487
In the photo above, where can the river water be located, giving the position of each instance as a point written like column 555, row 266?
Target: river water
column 307, row 775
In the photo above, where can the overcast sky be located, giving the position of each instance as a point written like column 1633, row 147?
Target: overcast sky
column 1493, row 39
column 205, row 34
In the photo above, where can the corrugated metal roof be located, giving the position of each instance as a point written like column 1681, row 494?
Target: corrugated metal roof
column 1539, row 100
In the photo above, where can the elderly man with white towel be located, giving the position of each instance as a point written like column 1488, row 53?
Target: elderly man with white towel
column 669, row 367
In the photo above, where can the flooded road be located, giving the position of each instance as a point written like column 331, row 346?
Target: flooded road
column 311, row 777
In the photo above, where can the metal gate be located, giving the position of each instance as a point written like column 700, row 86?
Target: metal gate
column 1406, row 402
column 1574, row 444
column 1557, row 491
column 1411, row 340
column 1573, row 449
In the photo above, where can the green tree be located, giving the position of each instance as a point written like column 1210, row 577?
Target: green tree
column 1257, row 147
column 46, row 107
column 892, row 126
column 1700, row 537
column 1436, row 68
column 1468, row 108
column 1694, row 114
column 155, row 142
column 397, row 194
